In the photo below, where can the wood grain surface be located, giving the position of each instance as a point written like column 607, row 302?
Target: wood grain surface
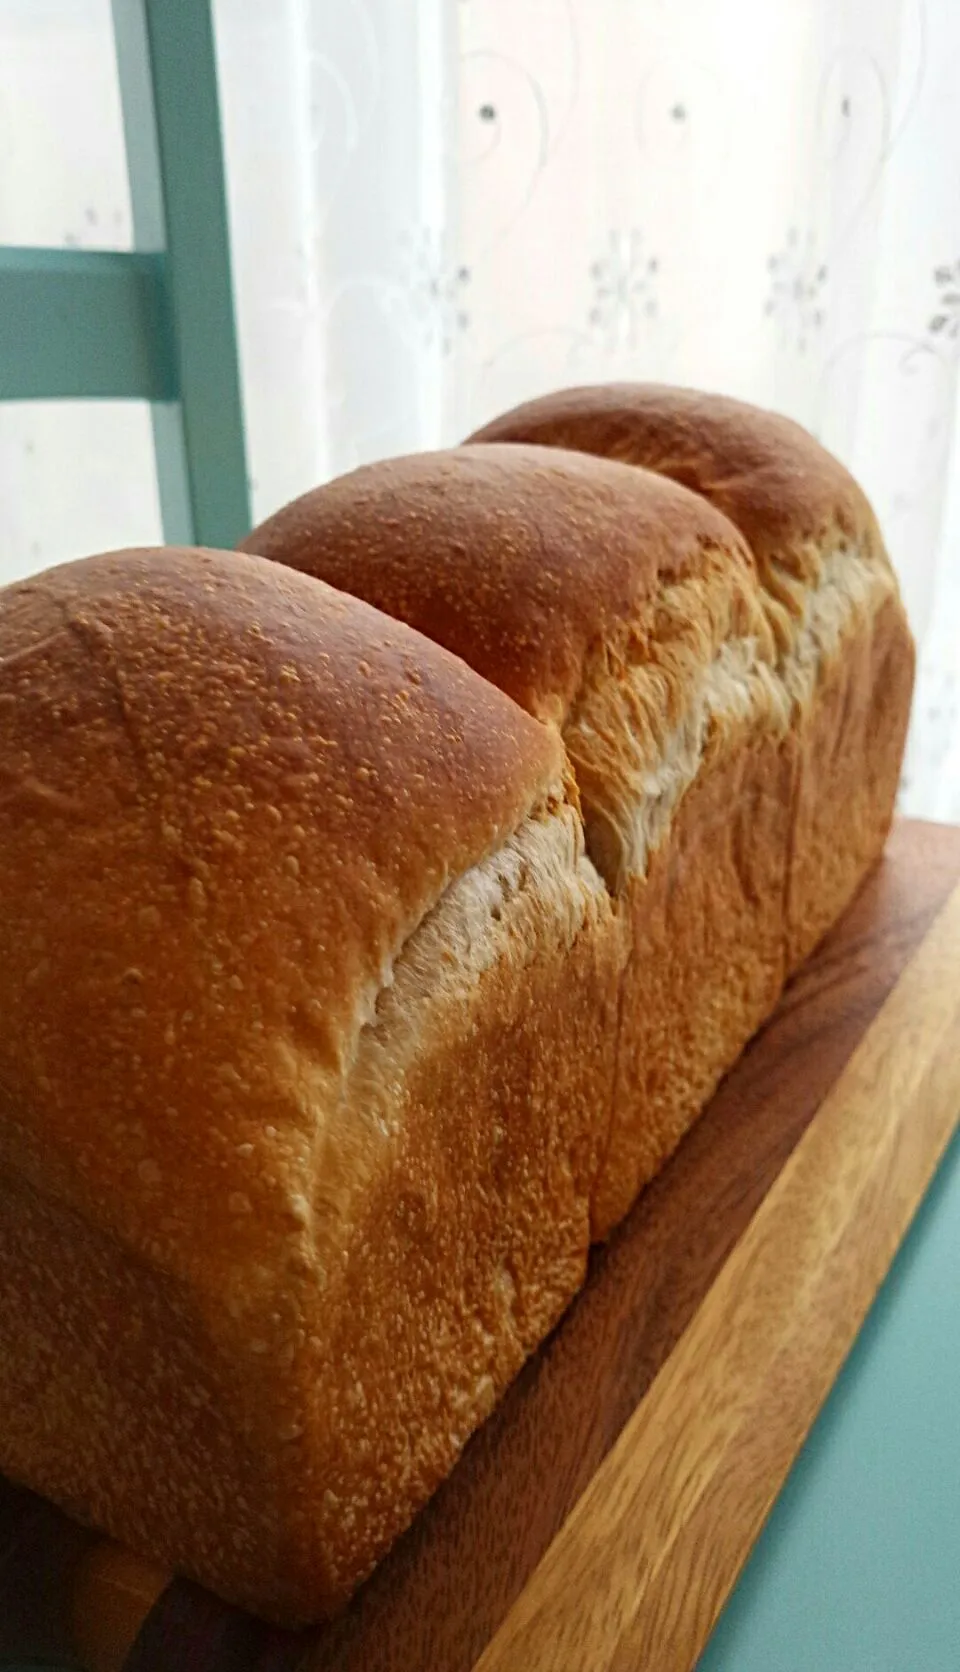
column 661, row 1533
column 567, row 1454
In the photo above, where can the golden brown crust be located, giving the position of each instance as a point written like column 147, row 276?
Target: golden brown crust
column 251, row 789
column 846, row 652
column 851, row 746
column 236, row 805
column 707, row 961
column 519, row 559
column 791, row 499
column 116, row 1403
column 486, row 1212
column 277, row 1470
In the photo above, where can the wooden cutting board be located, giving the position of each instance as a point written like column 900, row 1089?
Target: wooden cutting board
column 600, row 1518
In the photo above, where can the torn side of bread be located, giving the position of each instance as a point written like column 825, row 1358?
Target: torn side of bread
column 296, row 1158
column 846, row 655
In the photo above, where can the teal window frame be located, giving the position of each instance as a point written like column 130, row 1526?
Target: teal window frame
column 156, row 323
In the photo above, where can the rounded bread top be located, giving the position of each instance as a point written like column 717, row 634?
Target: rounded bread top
column 791, row 499
column 519, row 559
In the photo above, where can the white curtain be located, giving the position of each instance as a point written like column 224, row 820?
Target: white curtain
column 440, row 207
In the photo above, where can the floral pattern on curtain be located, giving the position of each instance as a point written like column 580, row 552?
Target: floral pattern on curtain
column 441, row 208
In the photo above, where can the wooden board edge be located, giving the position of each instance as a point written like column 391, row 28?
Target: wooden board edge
column 639, row 1572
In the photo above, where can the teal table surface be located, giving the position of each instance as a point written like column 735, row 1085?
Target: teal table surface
column 858, row 1567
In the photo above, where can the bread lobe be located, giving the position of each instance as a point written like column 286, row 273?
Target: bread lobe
column 603, row 599
column 528, row 559
column 791, row 499
column 827, row 586
column 293, row 904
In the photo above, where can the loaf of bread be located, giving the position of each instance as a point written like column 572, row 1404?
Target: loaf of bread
column 717, row 636
column 379, row 906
